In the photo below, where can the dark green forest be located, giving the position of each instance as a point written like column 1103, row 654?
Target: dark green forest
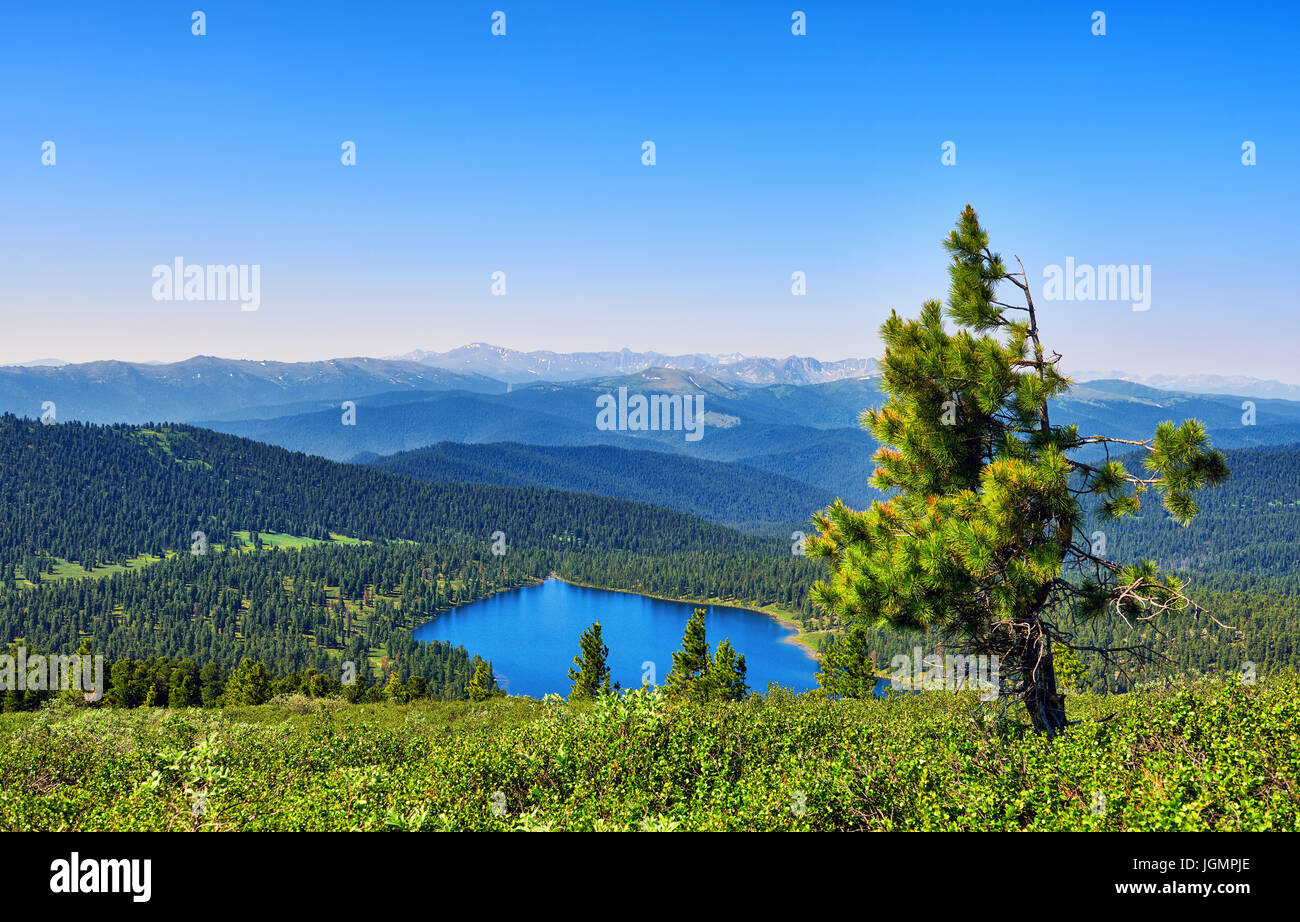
column 103, row 494
column 733, row 494
column 1250, row 525
column 290, row 610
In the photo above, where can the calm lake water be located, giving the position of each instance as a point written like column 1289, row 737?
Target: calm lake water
column 531, row 637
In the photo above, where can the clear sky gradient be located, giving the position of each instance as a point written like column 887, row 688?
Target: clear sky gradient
column 522, row 153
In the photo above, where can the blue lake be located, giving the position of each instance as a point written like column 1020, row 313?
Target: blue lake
column 531, row 637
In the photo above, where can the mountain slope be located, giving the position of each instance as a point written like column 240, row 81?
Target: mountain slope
column 732, row 494
column 1204, row 383
column 1251, row 524
column 103, row 494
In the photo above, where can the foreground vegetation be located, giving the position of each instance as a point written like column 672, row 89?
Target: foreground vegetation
column 1213, row 755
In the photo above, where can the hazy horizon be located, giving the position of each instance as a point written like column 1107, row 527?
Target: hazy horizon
column 1079, row 373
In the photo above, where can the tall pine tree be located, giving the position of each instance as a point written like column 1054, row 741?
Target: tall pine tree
column 981, row 540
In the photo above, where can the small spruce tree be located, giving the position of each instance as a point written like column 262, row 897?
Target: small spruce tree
column 727, row 671
column 482, row 684
column 212, row 681
column 701, row 676
column 846, row 666
column 691, row 662
column 591, row 675
column 249, row 683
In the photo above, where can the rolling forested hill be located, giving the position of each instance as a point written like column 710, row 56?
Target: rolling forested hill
column 95, row 494
column 1249, row 525
column 733, row 494
column 807, row 432
column 290, row 610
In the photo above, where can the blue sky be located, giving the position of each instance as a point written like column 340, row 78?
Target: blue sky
column 522, row 153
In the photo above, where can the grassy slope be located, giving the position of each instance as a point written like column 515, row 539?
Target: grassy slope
column 1209, row 756
column 271, row 540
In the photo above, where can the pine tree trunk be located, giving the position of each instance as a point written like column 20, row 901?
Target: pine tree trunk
column 1046, row 707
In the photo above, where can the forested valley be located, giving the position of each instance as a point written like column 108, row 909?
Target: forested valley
column 106, row 496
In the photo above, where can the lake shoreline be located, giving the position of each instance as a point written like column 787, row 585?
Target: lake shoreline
column 797, row 638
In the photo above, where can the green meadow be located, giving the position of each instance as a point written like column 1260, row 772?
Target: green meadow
column 1204, row 756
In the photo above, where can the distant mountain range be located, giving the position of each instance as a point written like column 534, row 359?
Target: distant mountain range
column 37, row 363
column 806, row 433
column 1203, row 384
column 204, row 386
column 478, row 361
column 519, row 367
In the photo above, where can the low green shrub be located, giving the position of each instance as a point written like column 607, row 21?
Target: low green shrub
column 1210, row 755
